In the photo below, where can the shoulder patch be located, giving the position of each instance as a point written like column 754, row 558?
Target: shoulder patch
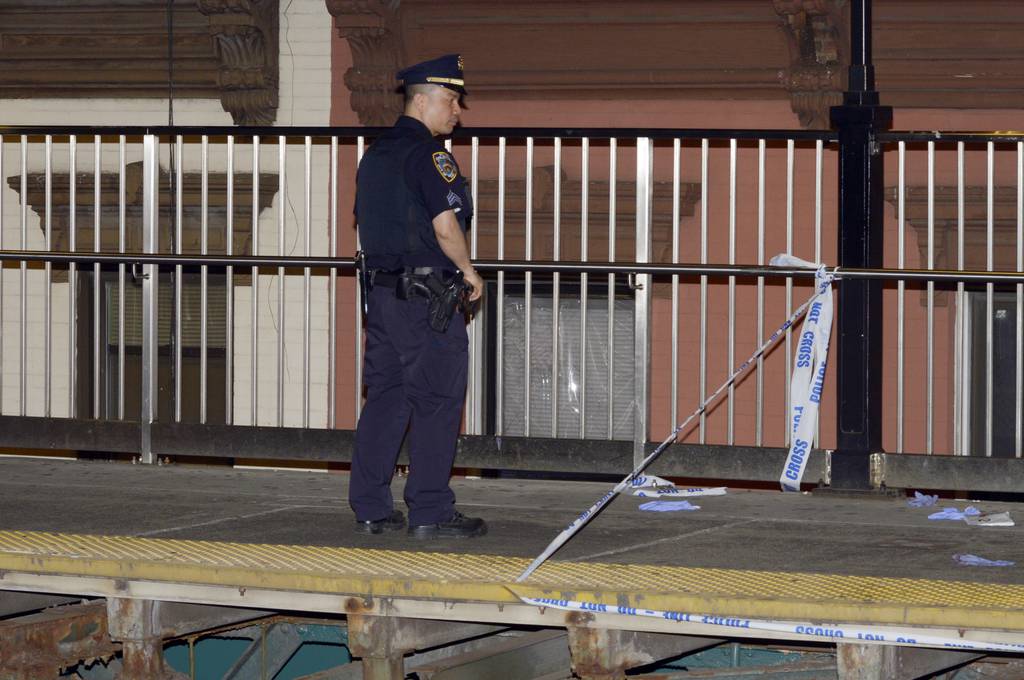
column 445, row 165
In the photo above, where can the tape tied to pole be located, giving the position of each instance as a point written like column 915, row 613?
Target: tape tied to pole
column 808, row 381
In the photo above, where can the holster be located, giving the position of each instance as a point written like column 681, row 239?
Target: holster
column 445, row 297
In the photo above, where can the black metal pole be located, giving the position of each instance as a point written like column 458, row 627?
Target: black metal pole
column 859, row 321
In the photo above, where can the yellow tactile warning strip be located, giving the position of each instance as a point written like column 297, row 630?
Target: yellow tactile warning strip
column 468, row 577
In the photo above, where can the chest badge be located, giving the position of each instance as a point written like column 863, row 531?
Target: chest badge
column 445, row 165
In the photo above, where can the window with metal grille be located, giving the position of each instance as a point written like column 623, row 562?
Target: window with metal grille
column 586, row 380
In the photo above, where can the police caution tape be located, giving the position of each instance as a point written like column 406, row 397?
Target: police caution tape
column 888, row 635
column 808, row 381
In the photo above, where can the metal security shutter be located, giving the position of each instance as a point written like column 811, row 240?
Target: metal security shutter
column 569, row 364
column 190, row 313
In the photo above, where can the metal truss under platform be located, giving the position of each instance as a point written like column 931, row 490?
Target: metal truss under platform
column 860, row 573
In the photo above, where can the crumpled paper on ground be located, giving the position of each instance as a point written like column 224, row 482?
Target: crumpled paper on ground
column 990, row 519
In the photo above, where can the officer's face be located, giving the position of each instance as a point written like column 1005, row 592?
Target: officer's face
column 440, row 110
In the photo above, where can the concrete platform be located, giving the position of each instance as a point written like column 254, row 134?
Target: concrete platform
column 747, row 564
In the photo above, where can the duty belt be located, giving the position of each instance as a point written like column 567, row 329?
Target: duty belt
column 389, row 278
column 444, row 290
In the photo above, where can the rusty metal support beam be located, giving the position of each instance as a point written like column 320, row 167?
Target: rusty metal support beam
column 383, row 641
column 136, row 624
column 888, row 662
column 606, row 654
column 40, row 645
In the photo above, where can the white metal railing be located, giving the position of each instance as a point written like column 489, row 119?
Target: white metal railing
column 604, row 196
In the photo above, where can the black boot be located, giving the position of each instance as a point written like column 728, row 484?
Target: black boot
column 459, row 526
column 393, row 522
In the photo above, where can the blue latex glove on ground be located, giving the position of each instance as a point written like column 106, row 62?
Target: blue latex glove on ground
column 668, row 506
column 922, row 500
column 969, row 560
column 954, row 514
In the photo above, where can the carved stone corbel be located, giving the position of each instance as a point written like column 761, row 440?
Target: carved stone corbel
column 818, row 49
column 372, row 30
column 245, row 37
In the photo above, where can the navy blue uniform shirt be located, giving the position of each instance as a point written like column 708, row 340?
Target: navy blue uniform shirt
column 405, row 180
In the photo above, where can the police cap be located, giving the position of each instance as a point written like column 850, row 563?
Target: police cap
column 445, row 71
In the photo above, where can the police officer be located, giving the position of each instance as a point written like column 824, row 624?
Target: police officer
column 412, row 207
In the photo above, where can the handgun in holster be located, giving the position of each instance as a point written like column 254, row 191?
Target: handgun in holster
column 445, row 298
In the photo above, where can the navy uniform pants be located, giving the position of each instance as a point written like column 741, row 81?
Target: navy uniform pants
column 415, row 377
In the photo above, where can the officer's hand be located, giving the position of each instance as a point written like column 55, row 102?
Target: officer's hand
column 475, row 282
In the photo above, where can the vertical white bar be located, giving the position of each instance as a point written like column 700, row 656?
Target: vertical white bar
column 818, row 169
column 255, row 293
column 759, row 407
column 47, row 271
column 72, row 272
column 306, row 281
column 556, row 250
column 474, row 404
column 790, row 151
column 901, row 224
column 929, row 444
column 818, row 166
column 499, row 377
column 612, row 158
column 332, row 321
column 204, row 228
column 23, row 388
column 584, row 279
column 150, row 288
column 529, row 285
column 121, row 245
column 642, row 320
column 676, row 171
column 178, row 271
column 989, row 293
column 359, row 149
column 229, row 287
column 731, row 349
column 1019, row 411
column 703, row 378
column 282, row 151
column 961, row 445
column 97, row 280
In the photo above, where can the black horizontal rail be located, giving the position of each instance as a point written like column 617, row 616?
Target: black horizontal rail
column 459, row 133
column 520, row 266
